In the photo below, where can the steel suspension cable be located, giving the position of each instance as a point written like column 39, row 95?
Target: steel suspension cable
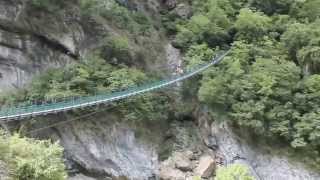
column 35, row 110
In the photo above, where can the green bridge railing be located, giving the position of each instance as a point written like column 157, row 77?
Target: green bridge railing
column 15, row 113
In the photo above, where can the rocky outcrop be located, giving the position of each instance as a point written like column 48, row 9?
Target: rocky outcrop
column 32, row 42
column 263, row 164
column 170, row 4
column 103, row 147
column 206, row 166
column 174, row 57
column 183, row 10
column 80, row 177
column 169, row 173
column 4, row 174
column 183, row 160
column 187, row 161
column 178, row 166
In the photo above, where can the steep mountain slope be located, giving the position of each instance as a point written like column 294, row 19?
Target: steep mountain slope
column 81, row 47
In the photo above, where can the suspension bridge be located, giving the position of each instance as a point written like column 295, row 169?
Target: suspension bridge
column 18, row 113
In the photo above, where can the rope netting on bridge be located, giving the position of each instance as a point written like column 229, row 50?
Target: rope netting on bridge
column 10, row 113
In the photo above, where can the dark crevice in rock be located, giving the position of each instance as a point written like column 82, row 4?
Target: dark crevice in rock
column 10, row 27
column 54, row 44
column 6, row 61
column 97, row 175
column 77, row 166
column 89, row 171
column 7, row 45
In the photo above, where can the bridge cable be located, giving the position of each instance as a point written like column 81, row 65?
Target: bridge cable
column 67, row 121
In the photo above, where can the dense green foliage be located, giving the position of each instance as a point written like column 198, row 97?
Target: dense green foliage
column 103, row 72
column 95, row 76
column 48, row 5
column 270, row 81
column 210, row 24
column 133, row 21
column 32, row 159
column 233, row 172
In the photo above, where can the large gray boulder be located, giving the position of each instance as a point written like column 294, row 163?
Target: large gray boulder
column 206, row 166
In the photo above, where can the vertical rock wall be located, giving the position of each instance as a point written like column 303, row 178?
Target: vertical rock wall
column 32, row 42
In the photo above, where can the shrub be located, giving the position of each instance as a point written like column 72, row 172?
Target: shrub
column 117, row 47
column 233, row 172
column 48, row 5
column 32, row 159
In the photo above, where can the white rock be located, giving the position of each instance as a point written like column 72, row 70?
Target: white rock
column 206, row 166
column 168, row 173
column 182, row 161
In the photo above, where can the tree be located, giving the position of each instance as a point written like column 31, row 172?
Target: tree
column 32, row 159
column 309, row 59
column 233, row 172
column 194, row 31
column 48, row 5
column 308, row 102
column 255, row 87
column 308, row 133
column 302, row 42
column 310, row 9
column 219, row 83
column 210, row 24
column 271, row 7
column 198, row 54
column 117, row 48
column 251, row 26
column 297, row 36
column 270, row 83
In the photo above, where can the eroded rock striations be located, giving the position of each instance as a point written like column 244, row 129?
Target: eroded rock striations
column 104, row 146
column 32, row 41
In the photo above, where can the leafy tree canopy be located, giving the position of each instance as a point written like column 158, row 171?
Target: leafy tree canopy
column 233, row 172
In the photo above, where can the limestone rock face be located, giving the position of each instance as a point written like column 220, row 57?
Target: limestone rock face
column 32, row 42
column 4, row 174
column 206, row 166
column 182, row 161
column 80, row 177
column 103, row 147
column 183, row 10
column 168, row 173
column 170, row 4
column 108, row 149
column 261, row 162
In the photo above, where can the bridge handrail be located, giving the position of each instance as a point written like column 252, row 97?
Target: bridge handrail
column 71, row 103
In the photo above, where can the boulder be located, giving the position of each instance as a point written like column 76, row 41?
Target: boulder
column 206, row 166
column 170, row 4
column 80, row 177
column 211, row 142
column 182, row 161
column 169, row 173
column 183, row 10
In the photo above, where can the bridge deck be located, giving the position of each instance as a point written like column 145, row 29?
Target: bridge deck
column 16, row 113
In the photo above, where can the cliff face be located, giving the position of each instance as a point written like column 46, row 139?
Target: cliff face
column 107, row 147
column 262, row 160
column 32, row 41
column 104, row 146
